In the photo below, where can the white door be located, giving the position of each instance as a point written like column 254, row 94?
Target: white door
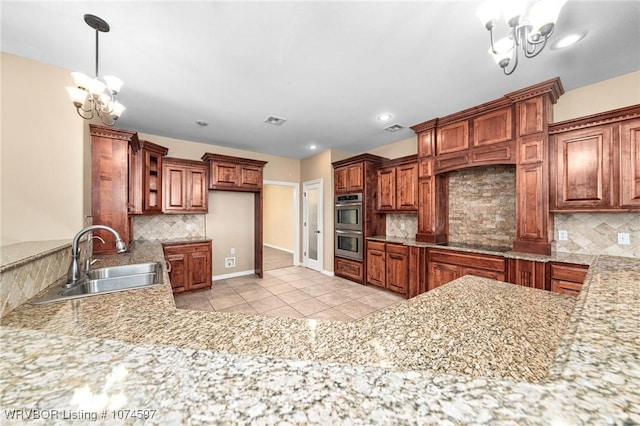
column 312, row 224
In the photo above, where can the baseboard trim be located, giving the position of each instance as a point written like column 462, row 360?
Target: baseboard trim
column 233, row 275
column 329, row 273
column 279, row 248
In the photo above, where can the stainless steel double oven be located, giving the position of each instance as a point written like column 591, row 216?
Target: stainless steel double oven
column 349, row 226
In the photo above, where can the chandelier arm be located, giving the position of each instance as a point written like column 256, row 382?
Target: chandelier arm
column 102, row 116
column 537, row 49
column 78, row 109
column 515, row 63
column 493, row 49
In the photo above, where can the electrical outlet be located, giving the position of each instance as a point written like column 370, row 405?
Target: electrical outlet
column 402, row 227
column 563, row 235
column 229, row 262
column 623, row 238
column 189, row 226
column 233, row 250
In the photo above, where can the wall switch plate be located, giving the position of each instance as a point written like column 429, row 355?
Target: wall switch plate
column 229, row 262
column 623, row 238
column 233, row 250
column 563, row 235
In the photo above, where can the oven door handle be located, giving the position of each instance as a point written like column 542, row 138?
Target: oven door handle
column 348, row 204
column 338, row 231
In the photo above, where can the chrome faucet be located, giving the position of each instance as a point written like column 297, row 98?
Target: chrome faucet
column 74, row 269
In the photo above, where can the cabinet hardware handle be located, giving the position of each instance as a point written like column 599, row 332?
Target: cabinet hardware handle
column 168, row 266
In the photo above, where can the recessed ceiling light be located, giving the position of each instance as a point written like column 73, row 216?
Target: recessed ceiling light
column 313, row 147
column 276, row 121
column 202, row 123
column 385, row 117
column 394, row 128
column 569, row 40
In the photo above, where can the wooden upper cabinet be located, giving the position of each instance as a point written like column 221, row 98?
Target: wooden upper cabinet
column 233, row 173
column 398, row 185
column 185, row 186
column 387, row 188
column 493, row 127
column 453, row 137
column 349, row 178
column 581, row 169
column 111, row 151
column 630, row 164
column 145, row 179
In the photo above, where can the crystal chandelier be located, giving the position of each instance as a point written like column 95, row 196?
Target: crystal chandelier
column 89, row 96
column 529, row 28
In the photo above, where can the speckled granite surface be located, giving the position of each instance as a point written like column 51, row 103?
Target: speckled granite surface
column 322, row 372
column 18, row 254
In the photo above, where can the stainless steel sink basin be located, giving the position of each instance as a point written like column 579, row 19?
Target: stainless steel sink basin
column 107, row 280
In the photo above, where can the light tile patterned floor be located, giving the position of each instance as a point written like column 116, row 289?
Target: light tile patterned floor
column 294, row 292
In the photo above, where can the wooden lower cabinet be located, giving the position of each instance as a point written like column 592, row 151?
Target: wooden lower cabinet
column 189, row 265
column 349, row 269
column 528, row 273
column 567, row 278
column 445, row 266
column 388, row 266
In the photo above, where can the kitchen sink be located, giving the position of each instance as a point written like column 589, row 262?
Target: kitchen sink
column 107, row 280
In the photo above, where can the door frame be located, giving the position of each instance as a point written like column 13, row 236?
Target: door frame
column 320, row 261
column 296, row 215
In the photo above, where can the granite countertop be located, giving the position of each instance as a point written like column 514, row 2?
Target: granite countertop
column 470, row 351
column 506, row 252
column 14, row 255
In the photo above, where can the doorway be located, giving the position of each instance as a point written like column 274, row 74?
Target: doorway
column 281, row 224
column 312, row 221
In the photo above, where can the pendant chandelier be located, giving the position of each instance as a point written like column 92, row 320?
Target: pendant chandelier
column 529, row 28
column 91, row 96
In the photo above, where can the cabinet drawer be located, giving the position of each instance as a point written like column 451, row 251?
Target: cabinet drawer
column 482, row 261
column 187, row 248
column 568, row 272
column 397, row 249
column 375, row 245
column 349, row 268
column 565, row 287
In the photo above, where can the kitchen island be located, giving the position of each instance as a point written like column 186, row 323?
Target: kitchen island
column 474, row 350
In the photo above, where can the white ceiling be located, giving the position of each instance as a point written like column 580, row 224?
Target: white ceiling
column 329, row 68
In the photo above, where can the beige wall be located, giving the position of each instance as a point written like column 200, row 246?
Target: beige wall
column 278, row 168
column 397, row 149
column 279, row 216
column 42, row 153
column 599, row 97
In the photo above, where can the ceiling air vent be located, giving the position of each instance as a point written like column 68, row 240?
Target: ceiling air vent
column 276, row 121
column 394, row 128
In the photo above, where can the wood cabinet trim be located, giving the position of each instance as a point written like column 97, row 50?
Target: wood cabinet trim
column 209, row 157
column 609, row 117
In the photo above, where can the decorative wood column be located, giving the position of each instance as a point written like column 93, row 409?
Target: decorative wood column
column 534, row 112
column 433, row 190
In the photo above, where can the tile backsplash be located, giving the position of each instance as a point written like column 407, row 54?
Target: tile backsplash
column 395, row 223
column 482, row 206
column 597, row 233
column 168, row 226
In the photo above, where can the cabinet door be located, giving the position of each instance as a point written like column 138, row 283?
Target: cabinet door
column 397, row 261
column 581, row 169
column 178, row 271
column 441, row 273
column 349, row 269
column 452, row 138
column 175, row 196
column 376, row 267
column 630, row 164
column 224, row 174
column 386, row 188
column 152, row 182
column 355, row 172
column 527, row 273
column 199, row 270
column 197, row 190
column 483, row 273
column 250, row 177
column 407, row 187
column 340, row 177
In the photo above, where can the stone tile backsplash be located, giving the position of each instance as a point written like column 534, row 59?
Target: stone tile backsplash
column 395, row 223
column 597, row 233
column 168, row 226
column 482, row 206
column 19, row 284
